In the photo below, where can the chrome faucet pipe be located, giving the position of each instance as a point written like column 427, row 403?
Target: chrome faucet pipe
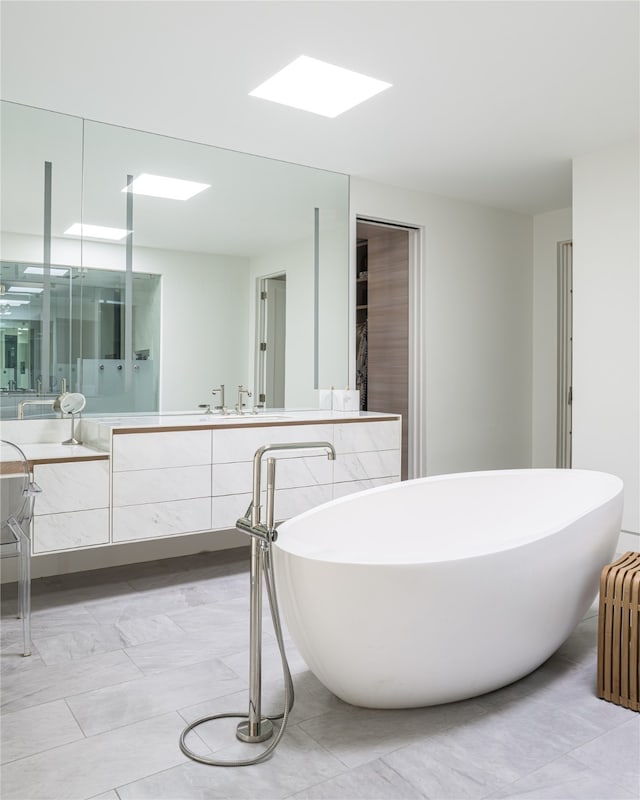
column 257, row 459
column 24, row 403
column 257, row 728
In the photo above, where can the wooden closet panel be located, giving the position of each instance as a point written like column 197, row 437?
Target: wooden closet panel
column 388, row 326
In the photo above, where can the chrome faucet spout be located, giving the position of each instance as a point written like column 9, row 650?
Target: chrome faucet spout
column 257, row 464
column 240, row 404
column 23, row 403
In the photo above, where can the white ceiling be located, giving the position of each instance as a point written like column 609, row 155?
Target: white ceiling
column 490, row 100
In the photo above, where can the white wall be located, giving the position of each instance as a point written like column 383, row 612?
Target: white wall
column 477, row 299
column 606, row 322
column 548, row 230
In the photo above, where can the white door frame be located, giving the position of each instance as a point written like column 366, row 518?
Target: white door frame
column 565, row 356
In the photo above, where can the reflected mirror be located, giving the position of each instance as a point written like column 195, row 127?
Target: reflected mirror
column 157, row 318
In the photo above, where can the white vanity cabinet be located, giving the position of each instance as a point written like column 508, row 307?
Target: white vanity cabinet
column 161, row 484
column 368, row 454
column 73, row 509
column 304, row 478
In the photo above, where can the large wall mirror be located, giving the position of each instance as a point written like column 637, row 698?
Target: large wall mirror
column 117, row 284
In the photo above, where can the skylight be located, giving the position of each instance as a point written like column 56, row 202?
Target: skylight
column 55, row 272
column 169, row 188
column 96, row 231
column 25, row 289
column 312, row 85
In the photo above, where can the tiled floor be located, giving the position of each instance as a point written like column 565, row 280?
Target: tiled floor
column 124, row 657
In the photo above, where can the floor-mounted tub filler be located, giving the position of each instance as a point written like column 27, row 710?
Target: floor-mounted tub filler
column 428, row 591
column 443, row 588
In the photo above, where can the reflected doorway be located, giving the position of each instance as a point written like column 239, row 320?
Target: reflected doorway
column 271, row 340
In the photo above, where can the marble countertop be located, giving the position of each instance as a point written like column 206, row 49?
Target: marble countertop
column 193, row 420
column 52, row 453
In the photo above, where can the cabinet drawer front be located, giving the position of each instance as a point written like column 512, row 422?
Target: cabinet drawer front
column 71, row 486
column 359, row 437
column 241, row 445
column 138, row 487
column 360, row 466
column 288, row 502
column 53, row 532
column 225, row 510
column 153, row 520
column 235, row 478
column 155, row 450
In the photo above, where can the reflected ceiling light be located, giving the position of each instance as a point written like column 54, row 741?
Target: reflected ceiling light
column 316, row 86
column 169, row 188
column 25, row 289
column 96, row 231
column 6, row 302
column 55, row 272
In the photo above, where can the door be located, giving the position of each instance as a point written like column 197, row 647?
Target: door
column 382, row 322
column 271, row 344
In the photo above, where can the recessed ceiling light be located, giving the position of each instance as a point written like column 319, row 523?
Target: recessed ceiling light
column 6, row 302
column 55, row 272
column 25, row 289
column 316, row 86
column 169, row 188
column 96, row 231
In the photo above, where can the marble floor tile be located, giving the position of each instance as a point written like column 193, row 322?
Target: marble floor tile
column 616, row 753
column 296, row 764
column 549, row 673
column 576, row 690
column 271, row 661
column 70, row 646
column 579, row 647
column 97, row 764
column 374, row 780
column 113, row 611
column 40, row 684
column 12, row 659
column 68, row 594
column 496, row 748
column 564, row 779
column 232, row 564
column 173, row 653
column 358, row 735
column 311, row 700
column 55, row 621
column 142, row 630
column 148, row 696
column 38, row 728
column 546, row 736
column 206, row 619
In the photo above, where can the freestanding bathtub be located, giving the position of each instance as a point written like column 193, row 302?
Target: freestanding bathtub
column 442, row 588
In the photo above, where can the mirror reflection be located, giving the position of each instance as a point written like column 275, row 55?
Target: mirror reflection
column 163, row 299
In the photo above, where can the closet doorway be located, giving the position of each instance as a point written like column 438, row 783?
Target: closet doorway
column 383, row 254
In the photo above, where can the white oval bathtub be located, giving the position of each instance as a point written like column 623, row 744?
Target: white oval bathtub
column 443, row 588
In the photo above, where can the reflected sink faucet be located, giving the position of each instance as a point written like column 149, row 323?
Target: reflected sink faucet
column 220, row 390
column 240, row 404
column 53, row 403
